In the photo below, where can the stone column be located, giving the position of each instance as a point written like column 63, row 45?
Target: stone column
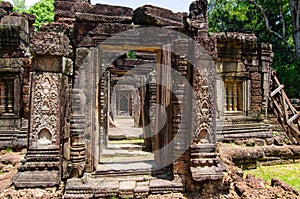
column 266, row 58
column 43, row 162
column 181, row 110
column 152, row 108
column 205, row 163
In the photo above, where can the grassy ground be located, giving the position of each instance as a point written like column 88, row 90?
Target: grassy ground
column 290, row 173
column 132, row 141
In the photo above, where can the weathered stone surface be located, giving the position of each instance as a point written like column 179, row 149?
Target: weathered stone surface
column 14, row 37
column 88, row 34
column 233, row 45
column 209, row 44
column 104, row 10
column 86, row 17
column 7, row 6
column 11, row 64
column 18, row 21
column 295, row 149
column 157, row 183
column 92, row 25
column 36, row 179
column 48, row 64
column 198, row 9
column 59, row 27
column 2, row 12
column 97, row 13
column 249, row 157
column 49, row 43
column 64, row 9
column 151, row 15
column 278, row 183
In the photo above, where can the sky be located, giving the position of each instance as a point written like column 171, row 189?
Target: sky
column 174, row 5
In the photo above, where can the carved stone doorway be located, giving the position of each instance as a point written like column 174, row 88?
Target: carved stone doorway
column 131, row 97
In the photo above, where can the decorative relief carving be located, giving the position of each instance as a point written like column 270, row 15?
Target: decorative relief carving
column 209, row 44
column 198, row 9
column 49, row 43
column 46, row 106
column 203, row 111
column 26, row 97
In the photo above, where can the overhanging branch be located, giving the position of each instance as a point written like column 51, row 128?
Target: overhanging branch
column 281, row 37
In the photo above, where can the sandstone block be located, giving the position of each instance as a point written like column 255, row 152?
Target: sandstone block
column 151, row 15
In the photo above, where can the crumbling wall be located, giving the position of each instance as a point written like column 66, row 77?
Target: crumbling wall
column 15, row 62
column 238, row 57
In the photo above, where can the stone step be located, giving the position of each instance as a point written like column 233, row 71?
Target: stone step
column 249, row 131
column 124, row 187
column 128, row 147
column 5, row 143
column 242, row 126
column 6, row 136
column 229, row 132
column 122, row 136
column 131, row 167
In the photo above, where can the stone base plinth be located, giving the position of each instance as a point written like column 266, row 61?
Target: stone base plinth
column 33, row 179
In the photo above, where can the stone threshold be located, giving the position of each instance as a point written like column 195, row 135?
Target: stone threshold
column 130, row 186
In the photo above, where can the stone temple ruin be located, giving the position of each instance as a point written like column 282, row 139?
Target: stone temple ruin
column 61, row 89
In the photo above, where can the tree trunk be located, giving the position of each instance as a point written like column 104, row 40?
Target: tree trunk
column 295, row 12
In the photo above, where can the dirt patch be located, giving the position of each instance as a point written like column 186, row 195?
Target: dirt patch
column 233, row 186
column 9, row 162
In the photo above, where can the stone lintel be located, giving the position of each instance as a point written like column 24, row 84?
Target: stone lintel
column 48, row 63
column 87, row 17
column 152, row 15
column 10, row 64
column 103, row 9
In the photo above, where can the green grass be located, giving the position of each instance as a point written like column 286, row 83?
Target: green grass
column 133, row 141
column 289, row 173
column 9, row 150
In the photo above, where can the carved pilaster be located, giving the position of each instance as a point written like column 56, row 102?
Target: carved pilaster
column 266, row 58
column 75, row 150
column 205, row 163
column 152, row 108
column 181, row 109
column 104, row 106
column 43, row 166
column 43, row 162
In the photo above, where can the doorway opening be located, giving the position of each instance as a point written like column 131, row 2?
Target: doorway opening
column 131, row 97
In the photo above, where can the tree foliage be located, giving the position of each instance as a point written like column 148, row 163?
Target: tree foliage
column 19, row 6
column 271, row 22
column 44, row 12
column 243, row 16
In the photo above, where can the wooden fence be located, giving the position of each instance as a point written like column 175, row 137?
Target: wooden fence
column 287, row 114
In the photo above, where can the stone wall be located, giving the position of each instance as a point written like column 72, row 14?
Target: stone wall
column 242, row 85
column 15, row 64
column 251, row 157
column 64, row 92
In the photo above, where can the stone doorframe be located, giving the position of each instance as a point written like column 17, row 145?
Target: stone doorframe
column 192, row 120
column 196, row 159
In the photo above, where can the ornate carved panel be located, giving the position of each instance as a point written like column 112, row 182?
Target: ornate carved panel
column 203, row 108
column 45, row 110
